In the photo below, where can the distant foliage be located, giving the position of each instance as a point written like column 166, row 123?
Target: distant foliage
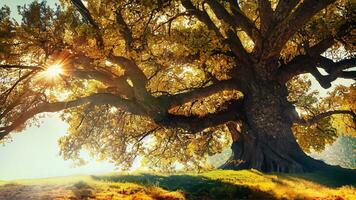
column 341, row 152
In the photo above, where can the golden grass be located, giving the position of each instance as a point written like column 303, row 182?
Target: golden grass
column 81, row 187
column 283, row 185
column 217, row 184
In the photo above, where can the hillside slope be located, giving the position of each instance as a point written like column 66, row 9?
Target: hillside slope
column 217, row 184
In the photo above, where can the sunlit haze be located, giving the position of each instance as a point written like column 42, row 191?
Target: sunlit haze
column 53, row 71
column 34, row 153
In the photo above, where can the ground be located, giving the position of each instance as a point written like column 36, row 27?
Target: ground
column 217, row 184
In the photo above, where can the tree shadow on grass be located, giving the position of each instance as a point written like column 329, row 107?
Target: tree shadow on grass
column 332, row 177
column 194, row 187
column 82, row 190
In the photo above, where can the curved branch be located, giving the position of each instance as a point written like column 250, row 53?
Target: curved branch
column 237, row 48
column 95, row 99
column 315, row 119
column 307, row 64
column 298, row 65
column 335, row 70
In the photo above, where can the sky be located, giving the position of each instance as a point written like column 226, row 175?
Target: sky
column 34, row 152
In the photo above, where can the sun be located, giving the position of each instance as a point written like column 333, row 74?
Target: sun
column 53, row 71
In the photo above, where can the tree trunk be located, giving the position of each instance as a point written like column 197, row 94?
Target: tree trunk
column 265, row 141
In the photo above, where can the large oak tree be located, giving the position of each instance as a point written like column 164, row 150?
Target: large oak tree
column 173, row 80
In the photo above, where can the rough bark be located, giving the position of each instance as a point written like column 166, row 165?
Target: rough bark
column 264, row 141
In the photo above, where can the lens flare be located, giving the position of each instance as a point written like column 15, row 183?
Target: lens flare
column 53, row 71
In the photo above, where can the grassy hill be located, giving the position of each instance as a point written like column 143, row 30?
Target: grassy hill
column 217, row 184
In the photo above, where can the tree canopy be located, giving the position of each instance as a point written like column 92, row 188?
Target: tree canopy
column 175, row 81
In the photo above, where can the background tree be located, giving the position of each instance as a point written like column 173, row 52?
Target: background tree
column 175, row 81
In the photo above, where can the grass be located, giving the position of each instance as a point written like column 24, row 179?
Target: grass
column 217, row 184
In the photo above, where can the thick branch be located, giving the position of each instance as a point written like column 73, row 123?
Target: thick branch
column 239, row 20
column 232, row 41
column 202, row 16
column 124, row 30
column 334, row 69
column 139, row 80
column 315, row 119
column 135, row 74
column 85, row 13
column 327, row 42
column 266, row 15
column 131, row 69
column 192, row 95
column 196, row 124
column 348, row 75
column 298, row 65
column 95, row 99
column 307, row 64
column 288, row 27
column 88, row 18
column 284, row 8
column 237, row 48
column 120, row 83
